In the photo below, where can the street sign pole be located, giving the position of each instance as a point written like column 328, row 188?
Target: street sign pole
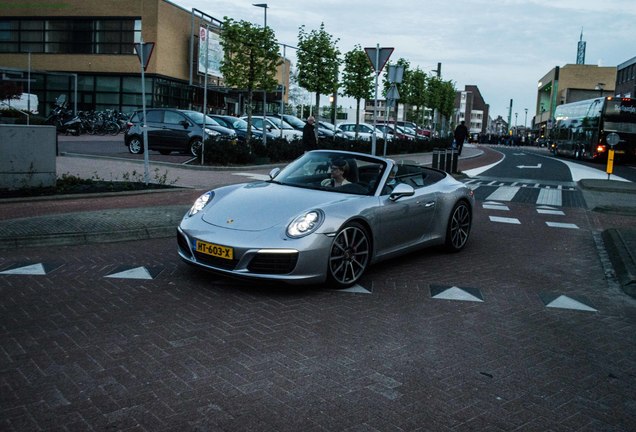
column 144, row 51
column 375, row 103
column 378, row 58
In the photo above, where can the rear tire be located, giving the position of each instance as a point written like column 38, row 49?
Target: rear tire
column 195, row 147
column 458, row 229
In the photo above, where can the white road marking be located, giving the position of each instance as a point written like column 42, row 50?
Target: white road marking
column 135, row 273
column 455, row 293
column 551, row 212
column 503, row 193
column 561, row 225
column 254, row 176
column 34, row 269
column 550, row 197
column 565, row 302
column 514, row 221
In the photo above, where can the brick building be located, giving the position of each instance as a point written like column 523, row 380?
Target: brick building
column 471, row 108
column 85, row 49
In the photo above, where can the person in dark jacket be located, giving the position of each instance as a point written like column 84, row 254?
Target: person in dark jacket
column 460, row 134
column 309, row 134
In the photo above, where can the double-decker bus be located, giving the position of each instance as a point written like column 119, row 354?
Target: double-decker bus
column 581, row 128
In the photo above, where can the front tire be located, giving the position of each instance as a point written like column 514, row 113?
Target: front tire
column 458, row 229
column 349, row 256
column 135, row 145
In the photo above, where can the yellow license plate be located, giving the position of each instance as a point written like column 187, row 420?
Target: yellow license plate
column 215, row 250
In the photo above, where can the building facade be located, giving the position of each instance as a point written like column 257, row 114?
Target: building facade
column 471, row 108
column 85, row 49
column 571, row 83
column 626, row 79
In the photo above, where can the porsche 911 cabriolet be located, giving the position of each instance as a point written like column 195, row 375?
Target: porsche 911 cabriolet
column 325, row 218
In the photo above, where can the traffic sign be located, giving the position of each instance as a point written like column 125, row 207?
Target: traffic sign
column 144, row 51
column 613, row 138
column 378, row 57
column 393, row 93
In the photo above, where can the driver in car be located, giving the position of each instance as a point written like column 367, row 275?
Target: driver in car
column 339, row 172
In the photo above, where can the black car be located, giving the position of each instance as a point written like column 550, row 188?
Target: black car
column 173, row 130
column 239, row 126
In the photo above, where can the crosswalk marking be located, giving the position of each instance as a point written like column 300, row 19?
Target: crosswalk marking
column 562, row 225
column 514, row 221
column 550, row 197
column 504, row 193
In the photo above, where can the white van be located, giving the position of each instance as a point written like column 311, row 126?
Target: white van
column 26, row 102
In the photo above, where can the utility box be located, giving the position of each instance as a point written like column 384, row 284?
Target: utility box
column 27, row 156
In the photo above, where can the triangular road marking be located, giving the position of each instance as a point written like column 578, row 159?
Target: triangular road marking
column 565, row 302
column 456, row 293
column 357, row 289
column 135, row 273
column 34, row 269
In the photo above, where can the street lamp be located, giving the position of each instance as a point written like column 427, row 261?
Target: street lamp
column 264, row 6
column 600, row 87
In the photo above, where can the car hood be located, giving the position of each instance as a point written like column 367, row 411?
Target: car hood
column 262, row 205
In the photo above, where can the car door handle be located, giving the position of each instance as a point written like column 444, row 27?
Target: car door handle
column 430, row 204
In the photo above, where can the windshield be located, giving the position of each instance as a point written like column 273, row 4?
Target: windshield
column 197, row 118
column 294, row 121
column 279, row 123
column 335, row 172
column 239, row 124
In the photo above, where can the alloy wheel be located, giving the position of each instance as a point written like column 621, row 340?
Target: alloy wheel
column 350, row 253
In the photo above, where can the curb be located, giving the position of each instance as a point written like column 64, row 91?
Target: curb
column 622, row 259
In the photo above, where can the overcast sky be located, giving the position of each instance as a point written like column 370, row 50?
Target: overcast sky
column 502, row 46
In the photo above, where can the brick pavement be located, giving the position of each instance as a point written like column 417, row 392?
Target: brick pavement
column 190, row 351
column 186, row 350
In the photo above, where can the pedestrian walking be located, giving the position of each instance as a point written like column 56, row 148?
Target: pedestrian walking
column 460, row 134
column 309, row 134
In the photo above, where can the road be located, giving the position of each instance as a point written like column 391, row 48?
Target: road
column 523, row 330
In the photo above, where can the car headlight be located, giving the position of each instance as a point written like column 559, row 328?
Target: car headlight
column 305, row 224
column 212, row 132
column 200, row 203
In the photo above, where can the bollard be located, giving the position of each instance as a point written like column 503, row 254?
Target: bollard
column 435, row 163
column 449, row 161
column 442, row 160
column 455, row 161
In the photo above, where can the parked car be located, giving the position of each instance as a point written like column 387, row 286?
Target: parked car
column 275, row 125
column 325, row 129
column 311, row 232
column 420, row 132
column 240, row 126
column 172, row 130
column 365, row 131
column 397, row 132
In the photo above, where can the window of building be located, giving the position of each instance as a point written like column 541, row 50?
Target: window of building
column 70, row 35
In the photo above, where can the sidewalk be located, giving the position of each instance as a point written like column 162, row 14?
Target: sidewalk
column 69, row 220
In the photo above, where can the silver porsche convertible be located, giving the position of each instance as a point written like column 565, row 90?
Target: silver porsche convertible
column 325, row 217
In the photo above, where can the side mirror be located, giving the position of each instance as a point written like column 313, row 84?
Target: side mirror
column 185, row 124
column 400, row 191
column 273, row 173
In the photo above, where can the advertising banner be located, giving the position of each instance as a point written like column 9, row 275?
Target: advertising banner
column 210, row 42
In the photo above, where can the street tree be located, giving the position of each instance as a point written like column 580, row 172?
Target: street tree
column 357, row 77
column 250, row 59
column 417, row 94
column 318, row 61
